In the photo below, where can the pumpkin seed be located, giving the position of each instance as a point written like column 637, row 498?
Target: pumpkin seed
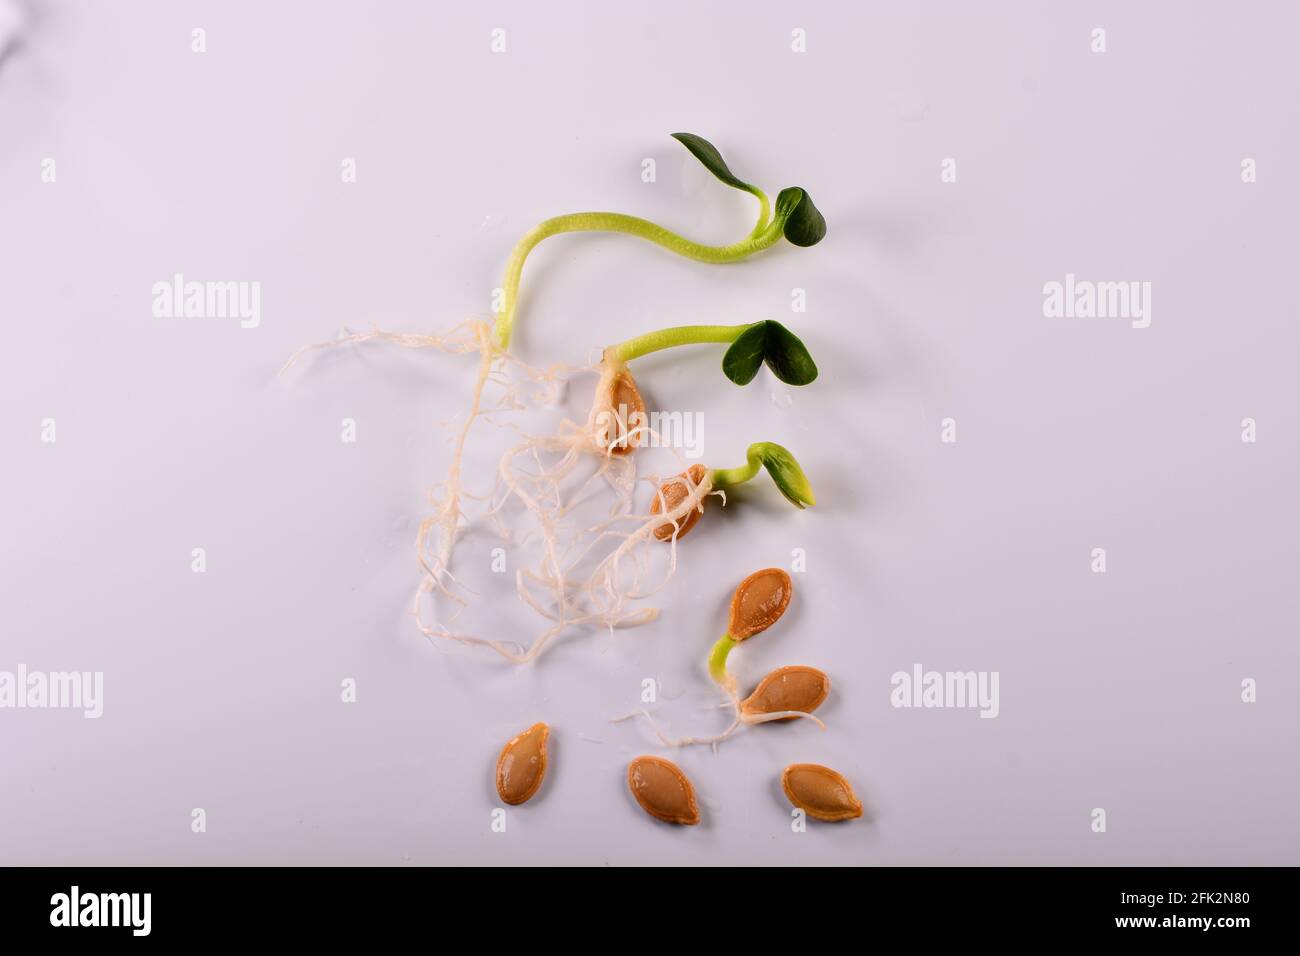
column 625, row 410
column 788, row 688
column 663, row 790
column 674, row 493
column 522, row 765
column 820, row 792
column 759, row 602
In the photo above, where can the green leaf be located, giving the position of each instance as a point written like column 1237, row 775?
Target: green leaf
column 708, row 154
column 773, row 343
column 786, row 356
column 801, row 221
column 786, row 473
column 745, row 355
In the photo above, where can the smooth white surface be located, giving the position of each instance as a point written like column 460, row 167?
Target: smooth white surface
column 1119, row 691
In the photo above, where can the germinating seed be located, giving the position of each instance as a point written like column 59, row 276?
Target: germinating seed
column 663, row 790
column 820, row 792
column 674, row 493
column 522, row 765
column 794, row 688
column 759, row 602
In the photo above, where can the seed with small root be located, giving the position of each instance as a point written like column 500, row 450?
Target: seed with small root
column 663, row 790
column 673, row 494
column 522, row 765
column 820, row 792
column 759, row 602
column 796, row 688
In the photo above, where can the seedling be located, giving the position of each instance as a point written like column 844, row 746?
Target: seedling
column 681, row 498
column 750, row 346
column 613, row 423
column 796, row 218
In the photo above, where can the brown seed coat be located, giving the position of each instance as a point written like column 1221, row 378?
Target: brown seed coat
column 674, row 493
column 522, row 765
column 820, row 792
column 628, row 410
column 788, row 688
column 759, row 602
column 663, row 790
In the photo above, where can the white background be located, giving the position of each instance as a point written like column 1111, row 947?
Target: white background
column 1119, row 691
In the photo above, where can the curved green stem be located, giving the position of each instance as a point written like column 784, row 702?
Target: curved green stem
column 764, row 234
column 672, row 337
column 764, row 210
column 718, row 659
column 725, row 477
column 780, row 464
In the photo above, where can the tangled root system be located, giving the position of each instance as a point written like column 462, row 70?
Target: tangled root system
column 587, row 577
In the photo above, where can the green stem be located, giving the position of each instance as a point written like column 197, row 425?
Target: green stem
column 672, row 337
column 763, row 211
column 718, row 659
column 780, row 464
column 725, row 477
column 765, row 234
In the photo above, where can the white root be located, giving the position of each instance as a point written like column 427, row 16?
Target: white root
column 679, row 741
column 557, row 589
column 751, row 719
column 599, row 598
column 740, row 720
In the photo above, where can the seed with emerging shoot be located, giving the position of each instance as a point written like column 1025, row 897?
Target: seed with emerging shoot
column 674, row 493
column 758, row 603
column 663, row 790
column 788, row 688
column 522, row 765
column 820, row 792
